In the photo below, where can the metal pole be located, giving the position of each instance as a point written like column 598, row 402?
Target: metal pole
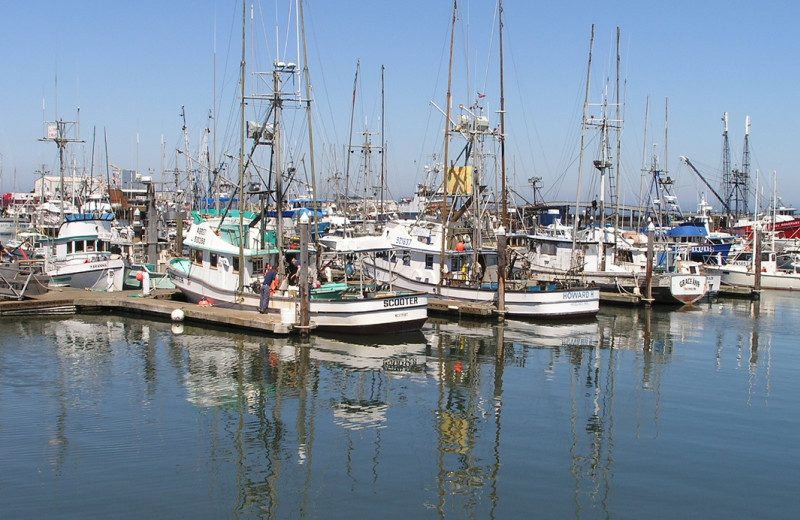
column 303, row 273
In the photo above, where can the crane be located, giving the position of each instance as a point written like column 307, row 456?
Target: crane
column 690, row 165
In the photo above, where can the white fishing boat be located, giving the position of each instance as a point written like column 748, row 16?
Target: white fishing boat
column 212, row 269
column 618, row 267
column 82, row 256
column 459, row 254
column 28, row 245
column 471, row 275
column 227, row 255
column 741, row 270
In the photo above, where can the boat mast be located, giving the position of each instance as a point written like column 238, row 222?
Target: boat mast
column 619, row 148
column 446, row 175
column 277, row 139
column 58, row 132
column 501, row 239
column 383, row 140
column 241, row 148
column 580, row 160
column 314, row 220
column 346, row 204
column 504, row 188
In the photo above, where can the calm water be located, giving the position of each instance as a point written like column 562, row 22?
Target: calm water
column 689, row 413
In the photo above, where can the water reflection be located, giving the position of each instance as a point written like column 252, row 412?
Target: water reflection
column 464, row 418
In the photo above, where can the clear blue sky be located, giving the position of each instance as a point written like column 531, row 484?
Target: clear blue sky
column 131, row 66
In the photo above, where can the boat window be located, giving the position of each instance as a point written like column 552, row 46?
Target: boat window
column 258, row 265
column 213, row 259
column 197, row 256
column 406, row 258
column 79, row 245
column 235, row 264
column 548, row 248
column 428, row 261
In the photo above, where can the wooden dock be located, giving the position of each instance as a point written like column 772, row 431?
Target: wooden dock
column 735, row 291
column 459, row 308
column 160, row 303
column 623, row 298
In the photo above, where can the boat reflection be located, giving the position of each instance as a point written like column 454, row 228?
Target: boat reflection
column 268, row 408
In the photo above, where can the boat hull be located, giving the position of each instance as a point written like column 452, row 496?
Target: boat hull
column 533, row 302
column 668, row 288
column 746, row 278
column 373, row 313
column 99, row 274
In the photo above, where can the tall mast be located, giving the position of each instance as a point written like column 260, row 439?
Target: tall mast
column 746, row 166
column 501, row 239
column 314, row 220
column 383, row 138
column 277, row 151
column 619, row 146
column 726, row 162
column 58, row 131
column 645, row 172
column 583, row 141
column 504, row 189
column 241, row 148
column 445, row 211
column 350, row 146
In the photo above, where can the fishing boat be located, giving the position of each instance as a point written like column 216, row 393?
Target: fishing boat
column 744, row 269
column 460, row 253
column 82, row 254
column 212, row 269
column 618, row 267
column 228, row 252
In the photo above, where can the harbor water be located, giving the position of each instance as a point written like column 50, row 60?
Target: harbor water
column 638, row 413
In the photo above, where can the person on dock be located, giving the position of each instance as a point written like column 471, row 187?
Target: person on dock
column 294, row 266
column 270, row 276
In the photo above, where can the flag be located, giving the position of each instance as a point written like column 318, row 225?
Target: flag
column 481, row 95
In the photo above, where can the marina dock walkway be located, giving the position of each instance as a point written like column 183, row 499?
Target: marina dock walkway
column 160, row 303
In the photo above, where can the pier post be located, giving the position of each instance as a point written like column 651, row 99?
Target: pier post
column 501, row 272
column 757, row 258
column 302, row 275
column 152, row 222
column 648, row 278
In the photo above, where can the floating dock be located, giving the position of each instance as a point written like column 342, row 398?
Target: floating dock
column 459, row 308
column 160, row 303
column 735, row 291
column 623, row 298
